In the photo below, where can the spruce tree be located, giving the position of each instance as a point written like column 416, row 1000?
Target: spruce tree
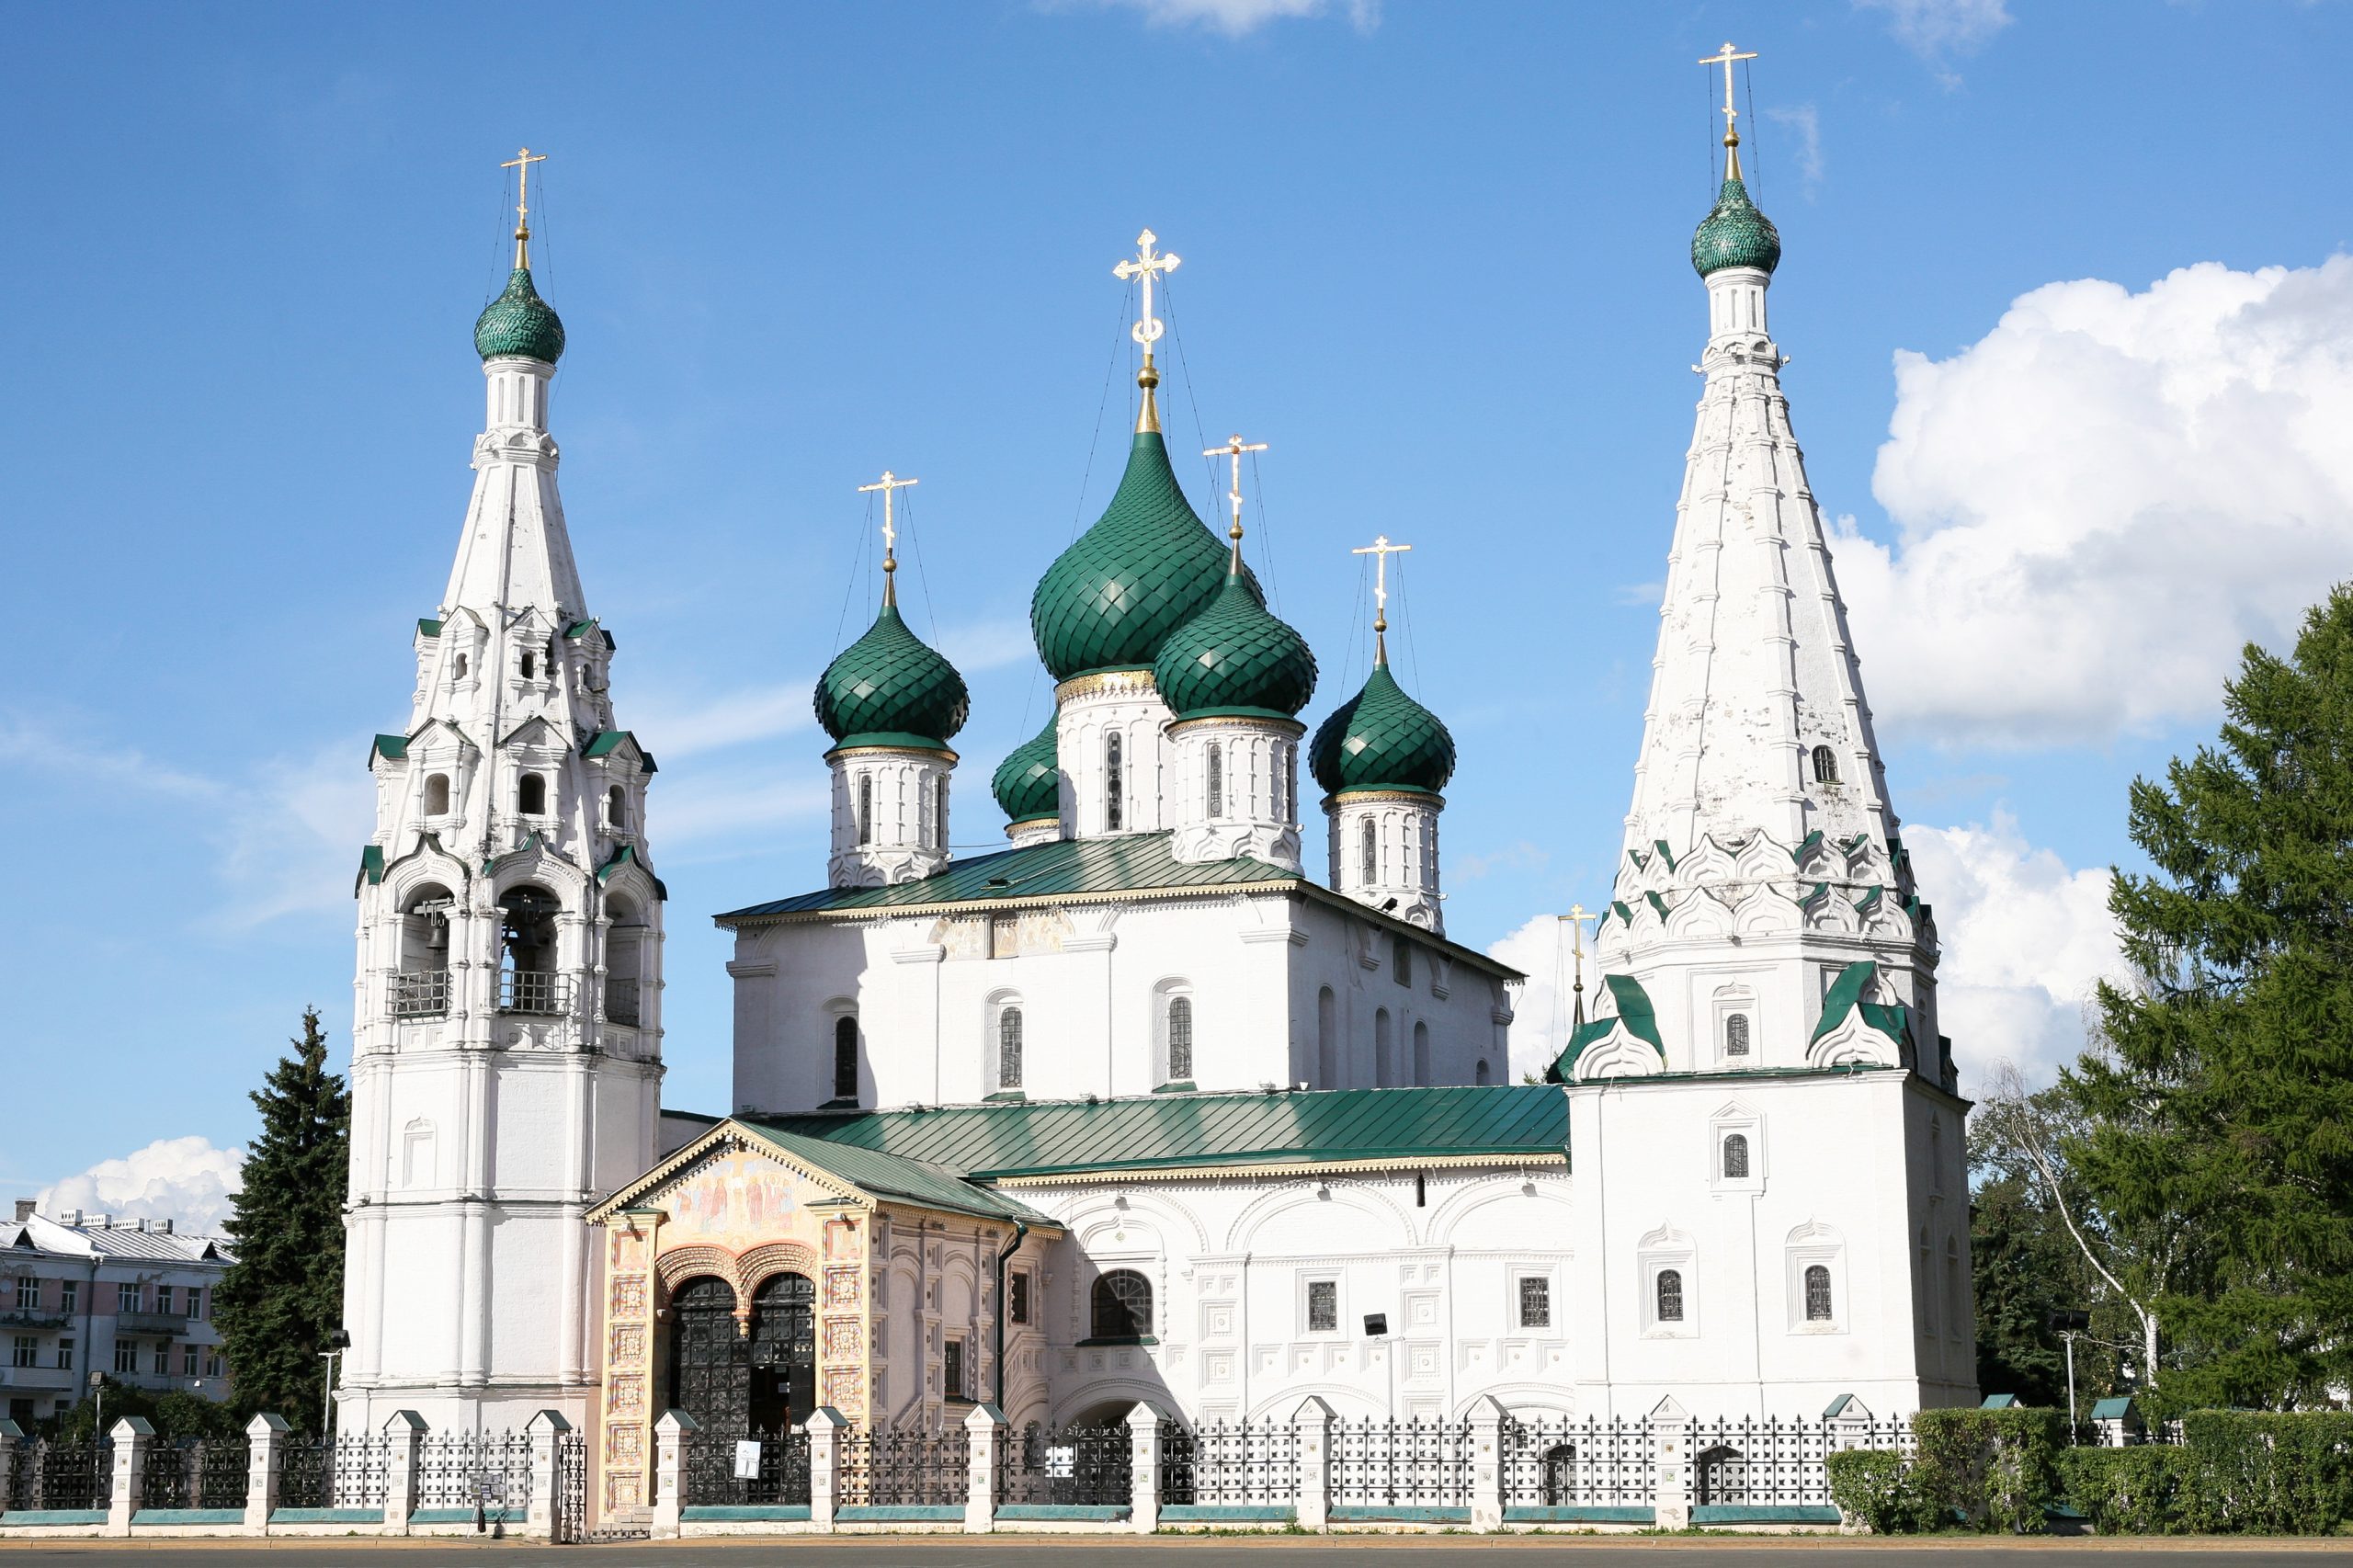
column 2222, row 1091
column 279, row 1304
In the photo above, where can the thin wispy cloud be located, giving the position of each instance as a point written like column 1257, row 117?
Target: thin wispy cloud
column 1804, row 122
column 1234, row 18
column 1941, row 31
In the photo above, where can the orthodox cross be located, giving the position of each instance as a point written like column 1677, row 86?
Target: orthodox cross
column 1146, row 265
column 521, row 163
column 1380, row 550
column 889, row 483
column 1724, row 57
column 1576, row 918
column 1234, row 446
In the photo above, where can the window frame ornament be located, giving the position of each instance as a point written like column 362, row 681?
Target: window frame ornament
column 1117, row 1311
column 1810, row 1246
column 1662, row 1252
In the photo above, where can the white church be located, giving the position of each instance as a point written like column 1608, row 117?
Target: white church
column 1145, row 1106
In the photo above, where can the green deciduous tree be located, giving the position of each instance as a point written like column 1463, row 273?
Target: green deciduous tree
column 281, row 1301
column 2220, row 1096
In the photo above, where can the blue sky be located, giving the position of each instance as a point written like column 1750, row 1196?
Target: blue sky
column 2076, row 439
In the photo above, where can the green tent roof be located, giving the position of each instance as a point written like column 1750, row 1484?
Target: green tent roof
column 1177, row 1131
column 1382, row 739
column 891, row 688
column 1027, row 784
column 1236, row 658
column 519, row 322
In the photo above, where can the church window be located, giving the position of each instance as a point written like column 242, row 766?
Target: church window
column 951, row 1368
column 531, row 663
column 1485, row 1074
column 1016, row 1296
column 461, row 672
column 1323, row 1306
column 1670, row 1295
column 1817, row 1293
column 531, row 795
column 1327, row 1039
column 1180, row 1040
column 1421, row 1055
column 528, row 981
column 617, row 809
column 1114, row 785
column 1122, row 1305
column 1927, row 1286
column 939, row 812
column 1535, row 1302
column 1287, row 808
column 1825, row 766
column 1008, row 1048
column 437, row 795
column 1736, row 1035
column 1736, row 1156
column 1217, row 781
column 1401, row 960
column 1956, row 1298
column 1384, row 1068
column 1368, row 854
column 866, row 810
column 845, row 1058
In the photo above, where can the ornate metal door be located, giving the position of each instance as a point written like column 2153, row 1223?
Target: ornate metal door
column 709, row 1363
column 783, row 1352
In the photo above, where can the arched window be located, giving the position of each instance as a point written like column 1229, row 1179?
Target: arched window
column 1180, row 1040
column 1817, row 1293
column 531, row 795
column 1217, row 781
column 1368, row 855
column 865, row 811
column 1401, row 960
column 1327, row 1039
column 1485, row 1074
column 1421, row 1055
column 1670, row 1295
column 624, row 943
column 1009, row 1048
column 1287, row 807
column 437, row 795
column 528, row 980
column 1122, row 1305
column 939, row 811
column 846, row 1057
column 460, row 672
column 616, row 807
column 1825, row 766
column 1736, row 1034
column 531, row 663
column 1736, row 1156
column 1384, row 1067
column 1115, row 814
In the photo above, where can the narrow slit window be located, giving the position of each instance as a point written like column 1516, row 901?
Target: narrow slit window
column 845, row 1058
column 1180, row 1040
column 866, row 810
column 616, row 807
column 1008, row 1048
column 1368, row 854
column 1115, row 814
column 1736, row 1035
column 1217, row 781
column 531, row 795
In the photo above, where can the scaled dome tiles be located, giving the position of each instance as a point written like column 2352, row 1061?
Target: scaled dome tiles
column 1735, row 234
column 888, row 688
column 519, row 323
column 1027, row 784
column 1382, row 739
column 1235, row 659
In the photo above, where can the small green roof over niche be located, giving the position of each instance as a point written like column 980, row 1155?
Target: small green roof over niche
column 1382, row 739
column 519, row 322
column 891, row 688
column 1147, row 566
column 1735, row 234
column 1027, row 784
column 1235, row 659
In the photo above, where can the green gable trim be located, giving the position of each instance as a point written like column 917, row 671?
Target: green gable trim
column 1178, row 1131
column 1634, row 1011
column 371, row 867
column 1806, row 846
column 393, row 748
column 1664, row 852
column 1657, row 903
column 1868, row 901
column 1845, row 996
column 427, row 627
column 1624, row 913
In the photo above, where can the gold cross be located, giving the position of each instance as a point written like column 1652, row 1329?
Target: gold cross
column 521, row 161
column 1725, row 57
column 1577, row 917
column 1233, row 449
column 889, row 483
column 1146, row 265
column 1380, row 550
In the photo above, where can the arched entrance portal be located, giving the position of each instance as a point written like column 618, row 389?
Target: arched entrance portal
column 708, row 1364
column 784, row 1352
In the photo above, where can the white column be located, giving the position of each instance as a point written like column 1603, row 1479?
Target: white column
column 825, row 1427
column 670, row 1472
column 547, row 1431
column 133, row 1436
column 983, row 1431
column 404, row 1440
column 1311, row 1432
column 1144, row 1468
column 1486, row 1465
column 265, row 1466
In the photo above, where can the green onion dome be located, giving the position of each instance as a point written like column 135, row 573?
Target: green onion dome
column 1147, row 566
column 1735, row 234
column 1027, row 784
column 519, row 322
column 888, row 688
column 1235, row 659
column 1382, row 739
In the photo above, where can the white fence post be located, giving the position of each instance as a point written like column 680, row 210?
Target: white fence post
column 1671, row 1460
column 670, row 1472
column 825, row 1426
column 546, row 1431
column 1144, row 1468
column 265, row 1464
column 132, row 1437
column 983, row 1430
column 1486, row 1435
column 1311, row 1430
column 404, row 1436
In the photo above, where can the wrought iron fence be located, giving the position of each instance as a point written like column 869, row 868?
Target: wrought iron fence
column 1400, row 1464
column 533, row 990
column 716, row 1463
column 889, row 1468
column 334, row 1473
column 570, row 1525
column 1235, row 1464
column 1562, row 1462
column 196, row 1473
column 488, row 1472
column 1759, row 1463
column 1085, row 1466
column 419, row 994
column 67, row 1475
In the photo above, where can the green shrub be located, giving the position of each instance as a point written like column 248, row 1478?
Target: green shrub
column 1991, row 1469
column 2255, row 1472
column 1875, row 1486
column 2134, row 1491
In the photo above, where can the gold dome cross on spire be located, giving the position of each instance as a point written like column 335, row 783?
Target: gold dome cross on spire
column 521, row 163
column 1147, row 264
column 1380, row 550
column 1724, row 57
column 888, row 484
column 1234, row 446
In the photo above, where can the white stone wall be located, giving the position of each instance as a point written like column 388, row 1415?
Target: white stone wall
column 1254, row 766
column 890, row 812
column 1404, row 854
column 1090, row 710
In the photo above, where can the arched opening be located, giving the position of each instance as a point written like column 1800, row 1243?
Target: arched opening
column 1736, row 1156
column 1825, row 766
column 1817, row 1293
column 1401, row 960
column 531, row 795
column 845, row 1058
column 1368, row 855
column 1736, row 1034
column 437, row 794
column 458, row 671
column 531, row 664
column 624, row 949
column 616, row 808
column 1560, row 1475
column 1287, row 807
column 939, row 812
column 1115, row 814
column 1384, row 1065
column 1421, row 1055
column 421, row 988
column 527, row 982
column 1122, row 1306
column 1179, row 1068
column 783, row 1353
column 1327, row 1039
column 1485, row 1074
column 866, row 809
column 1008, row 1047
column 710, row 1362
column 1670, row 1295
column 1217, row 781
column 1723, row 1475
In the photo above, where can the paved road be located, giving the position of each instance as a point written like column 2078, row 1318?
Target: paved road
column 1100, row 1551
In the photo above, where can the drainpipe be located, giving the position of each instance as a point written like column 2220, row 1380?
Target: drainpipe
column 1020, row 1233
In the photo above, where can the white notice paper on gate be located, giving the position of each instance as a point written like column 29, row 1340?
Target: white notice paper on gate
column 748, row 1462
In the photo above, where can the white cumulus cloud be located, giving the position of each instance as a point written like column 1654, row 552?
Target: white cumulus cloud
column 2099, row 502
column 185, row 1180
column 1539, row 949
column 2025, row 936
column 1237, row 17
column 1938, row 29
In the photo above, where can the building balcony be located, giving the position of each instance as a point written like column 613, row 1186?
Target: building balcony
column 31, row 1317
column 534, row 991
column 621, row 1001
column 169, row 1324
column 419, row 994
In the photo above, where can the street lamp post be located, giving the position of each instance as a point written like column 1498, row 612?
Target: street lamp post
column 337, row 1343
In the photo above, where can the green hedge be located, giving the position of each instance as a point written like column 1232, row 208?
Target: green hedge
column 1874, row 1485
column 2132, row 1491
column 1986, row 1470
column 2261, row 1472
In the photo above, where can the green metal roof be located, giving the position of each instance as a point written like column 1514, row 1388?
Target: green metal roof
column 519, row 322
column 391, row 748
column 1178, row 1131
column 1382, row 739
column 603, row 743
column 2115, row 1409
column 1845, row 996
column 1236, row 658
column 883, row 1173
column 1027, row 783
column 1735, row 234
column 1064, row 869
column 1634, row 1010
column 891, row 688
column 428, row 627
column 372, row 867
